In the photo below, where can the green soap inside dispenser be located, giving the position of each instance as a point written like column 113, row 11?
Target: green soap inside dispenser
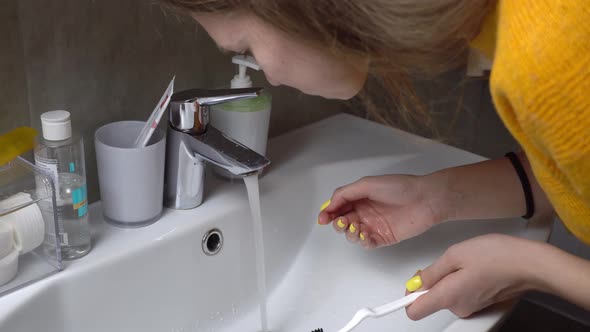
column 242, row 80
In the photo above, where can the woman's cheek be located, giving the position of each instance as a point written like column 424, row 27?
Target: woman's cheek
column 272, row 70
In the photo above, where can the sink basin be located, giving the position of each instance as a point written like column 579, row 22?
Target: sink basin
column 158, row 278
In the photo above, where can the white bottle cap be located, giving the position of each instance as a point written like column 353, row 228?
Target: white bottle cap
column 56, row 125
column 241, row 80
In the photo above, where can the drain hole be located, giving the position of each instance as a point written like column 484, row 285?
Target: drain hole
column 212, row 242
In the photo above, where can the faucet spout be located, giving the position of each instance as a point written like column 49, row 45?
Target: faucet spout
column 223, row 151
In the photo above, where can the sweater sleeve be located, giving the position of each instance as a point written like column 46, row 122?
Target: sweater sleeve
column 540, row 83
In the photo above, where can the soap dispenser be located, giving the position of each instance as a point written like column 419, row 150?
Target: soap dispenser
column 245, row 120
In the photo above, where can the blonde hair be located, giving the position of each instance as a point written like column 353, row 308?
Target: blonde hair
column 401, row 38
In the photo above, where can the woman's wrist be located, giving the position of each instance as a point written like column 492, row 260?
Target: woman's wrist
column 552, row 270
column 437, row 196
column 484, row 190
column 543, row 267
column 532, row 266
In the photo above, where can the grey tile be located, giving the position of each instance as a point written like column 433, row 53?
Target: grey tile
column 493, row 139
column 13, row 90
column 465, row 115
column 452, row 99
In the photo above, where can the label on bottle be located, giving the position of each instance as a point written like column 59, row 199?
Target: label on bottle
column 50, row 167
column 80, row 201
column 64, row 239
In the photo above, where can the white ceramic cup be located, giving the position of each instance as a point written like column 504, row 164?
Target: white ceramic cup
column 131, row 179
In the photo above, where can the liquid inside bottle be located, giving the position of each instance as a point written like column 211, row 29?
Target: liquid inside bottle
column 73, row 215
column 61, row 155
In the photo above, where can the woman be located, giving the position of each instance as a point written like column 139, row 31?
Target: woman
column 539, row 82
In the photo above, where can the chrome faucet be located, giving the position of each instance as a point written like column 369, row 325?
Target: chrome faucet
column 191, row 142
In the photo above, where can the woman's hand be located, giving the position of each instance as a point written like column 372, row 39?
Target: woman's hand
column 476, row 273
column 383, row 210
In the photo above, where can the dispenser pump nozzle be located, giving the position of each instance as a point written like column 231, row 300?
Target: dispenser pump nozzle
column 241, row 80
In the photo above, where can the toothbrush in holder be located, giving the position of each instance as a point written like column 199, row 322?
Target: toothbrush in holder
column 380, row 311
column 152, row 123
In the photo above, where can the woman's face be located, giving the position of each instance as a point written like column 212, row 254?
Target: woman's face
column 312, row 70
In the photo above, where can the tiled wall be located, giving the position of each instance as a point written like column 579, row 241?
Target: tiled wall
column 14, row 111
column 111, row 60
column 464, row 114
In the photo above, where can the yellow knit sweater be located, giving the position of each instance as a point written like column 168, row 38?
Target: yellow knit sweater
column 540, row 84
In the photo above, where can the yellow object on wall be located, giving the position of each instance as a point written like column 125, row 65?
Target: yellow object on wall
column 16, row 142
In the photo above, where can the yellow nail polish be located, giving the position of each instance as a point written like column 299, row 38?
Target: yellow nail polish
column 362, row 236
column 352, row 229
column 414, row 284
column 340, row 223
column 325, row 205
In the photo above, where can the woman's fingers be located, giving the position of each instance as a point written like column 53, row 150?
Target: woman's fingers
column 340, row 224
column 441, row 279
column 347, row 194
column 441, row 296
column 366, row 237
column 350, row 224
column 326, row 217
column 355, row 231
column 443, row 266
column 340, row 211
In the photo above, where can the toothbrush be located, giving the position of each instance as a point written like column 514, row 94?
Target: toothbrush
column 379, row 311
column 150, row 126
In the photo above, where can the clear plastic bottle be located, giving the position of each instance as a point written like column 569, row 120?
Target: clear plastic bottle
column 61, row 154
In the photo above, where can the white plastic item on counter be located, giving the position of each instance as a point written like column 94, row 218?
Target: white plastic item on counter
column 27, row 223
column 8, row 267
column 6, row 239
column 15, row 201
column 246, row 120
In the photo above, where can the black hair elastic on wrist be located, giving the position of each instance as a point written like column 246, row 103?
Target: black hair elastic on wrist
column 526, row 185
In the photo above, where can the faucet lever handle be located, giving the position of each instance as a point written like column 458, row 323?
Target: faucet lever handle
column 189, row 109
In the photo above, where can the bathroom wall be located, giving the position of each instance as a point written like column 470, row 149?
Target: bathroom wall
column 464, row 115
column 13, row 92
column 111, row 60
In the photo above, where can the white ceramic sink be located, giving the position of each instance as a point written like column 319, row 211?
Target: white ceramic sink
column 157, row 278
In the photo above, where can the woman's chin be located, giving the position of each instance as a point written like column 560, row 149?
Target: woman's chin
column 342, row 95
column 337, row 95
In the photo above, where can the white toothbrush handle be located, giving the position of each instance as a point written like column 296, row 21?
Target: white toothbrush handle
column 398, row 304
column 381, row 310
